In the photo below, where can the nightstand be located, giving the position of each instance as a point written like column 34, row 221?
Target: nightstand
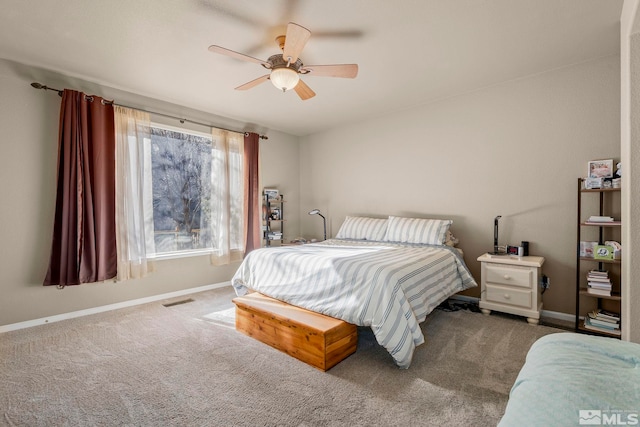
column 511, row 284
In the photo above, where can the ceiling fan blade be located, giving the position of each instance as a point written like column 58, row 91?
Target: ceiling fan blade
column 295, row 40
column 253, row 83
column 349, row 71
column 304, row 91
column 241, row 56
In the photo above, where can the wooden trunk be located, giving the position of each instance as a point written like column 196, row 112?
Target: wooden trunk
column 314, row 338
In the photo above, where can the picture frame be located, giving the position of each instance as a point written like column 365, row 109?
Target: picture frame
column 600, row 169
column 603, row 252
column 587, row 249
column 273, row 193
column 275, row 214
column 591, row 183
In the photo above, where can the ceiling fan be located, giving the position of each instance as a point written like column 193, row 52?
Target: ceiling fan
column 287, row 67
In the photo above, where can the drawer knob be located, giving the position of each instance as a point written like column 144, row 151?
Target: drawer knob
column 506, row 296
column 507, row 277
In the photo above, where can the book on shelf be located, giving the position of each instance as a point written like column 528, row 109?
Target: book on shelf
column 591, row 326
column 598, row 279
column 600, row 292
column 606, row 323
column 597, row 285
column 605, row 314
column 591, row 277
column 603, row 325
column 598, row 273
column 597, row 218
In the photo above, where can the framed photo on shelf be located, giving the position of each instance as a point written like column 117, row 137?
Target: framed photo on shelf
column 600, row 169
column 274, row 194
column 275, row 214
column 603, row 252
column 587, row 249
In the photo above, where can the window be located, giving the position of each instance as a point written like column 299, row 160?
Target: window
column 189, row 176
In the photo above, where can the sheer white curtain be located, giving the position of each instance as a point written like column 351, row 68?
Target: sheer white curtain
column 134, row 195
column 227, row 196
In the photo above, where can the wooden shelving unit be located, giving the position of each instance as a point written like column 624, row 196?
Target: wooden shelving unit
column 273, row 225
column 604, row 232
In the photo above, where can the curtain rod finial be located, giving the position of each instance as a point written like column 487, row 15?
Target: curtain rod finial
column 37, row 85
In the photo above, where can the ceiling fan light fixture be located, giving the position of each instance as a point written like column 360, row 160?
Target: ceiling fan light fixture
column 284, row 78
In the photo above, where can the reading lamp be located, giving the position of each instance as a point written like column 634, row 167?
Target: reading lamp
column 324, row 220
column 496, row 248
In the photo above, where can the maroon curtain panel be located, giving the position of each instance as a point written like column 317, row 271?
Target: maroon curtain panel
column 83, row 248
column 253, row 222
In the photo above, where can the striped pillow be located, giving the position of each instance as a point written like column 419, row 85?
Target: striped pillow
column 417, row 230
column 362, row 228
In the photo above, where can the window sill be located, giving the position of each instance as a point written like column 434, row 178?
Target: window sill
column 182, row 254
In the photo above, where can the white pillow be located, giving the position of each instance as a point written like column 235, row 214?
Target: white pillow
column 417, row 230
column 362, row 228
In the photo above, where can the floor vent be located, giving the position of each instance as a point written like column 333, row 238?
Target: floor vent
column 184, row 301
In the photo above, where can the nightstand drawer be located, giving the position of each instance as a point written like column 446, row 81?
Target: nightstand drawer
column 509, row 296
column 509, row 275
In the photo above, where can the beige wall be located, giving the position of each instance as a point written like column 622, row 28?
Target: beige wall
column 28, row 151
column 515, row 149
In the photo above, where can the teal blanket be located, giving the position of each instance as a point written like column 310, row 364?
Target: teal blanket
column 572, row 379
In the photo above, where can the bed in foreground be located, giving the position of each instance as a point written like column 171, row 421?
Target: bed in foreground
column 389, row 286
column 574, row 379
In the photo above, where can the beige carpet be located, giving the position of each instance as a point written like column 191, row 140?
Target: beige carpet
column 184, row 365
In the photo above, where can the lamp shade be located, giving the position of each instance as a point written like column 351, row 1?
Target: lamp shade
column 284, row 78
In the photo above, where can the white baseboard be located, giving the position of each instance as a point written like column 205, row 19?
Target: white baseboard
column 101, row 309
column 545, row 313
column 139, row 301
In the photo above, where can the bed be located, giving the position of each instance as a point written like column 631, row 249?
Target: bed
column 575, row 379
column 388, row 277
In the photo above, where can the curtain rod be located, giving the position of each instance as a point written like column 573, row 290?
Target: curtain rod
column 37, row 85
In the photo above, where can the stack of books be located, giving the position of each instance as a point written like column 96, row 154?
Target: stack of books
column 598, row 283
column 274, row 235
column 603, row 321
column 595, row 219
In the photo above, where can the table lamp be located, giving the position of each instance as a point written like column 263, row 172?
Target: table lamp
column 324, row 220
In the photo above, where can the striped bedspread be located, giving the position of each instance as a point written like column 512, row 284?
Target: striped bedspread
column 388, row 287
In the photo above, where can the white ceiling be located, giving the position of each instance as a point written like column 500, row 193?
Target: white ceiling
column 410, row 52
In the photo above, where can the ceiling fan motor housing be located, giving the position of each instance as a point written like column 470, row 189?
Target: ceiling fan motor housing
column 277, row 61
